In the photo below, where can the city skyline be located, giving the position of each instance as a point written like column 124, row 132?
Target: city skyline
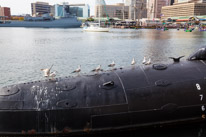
column 24, row 7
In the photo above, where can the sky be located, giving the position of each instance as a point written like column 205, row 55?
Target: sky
column 19, row 7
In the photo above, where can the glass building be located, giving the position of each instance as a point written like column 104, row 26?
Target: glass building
column 59, row 10
column 80, row 10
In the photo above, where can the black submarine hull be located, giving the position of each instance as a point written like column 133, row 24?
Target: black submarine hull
column 136, row 97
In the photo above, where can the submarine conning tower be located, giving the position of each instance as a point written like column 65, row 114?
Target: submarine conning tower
column 138, row 96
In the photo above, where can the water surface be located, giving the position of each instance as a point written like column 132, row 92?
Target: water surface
column 24, row 51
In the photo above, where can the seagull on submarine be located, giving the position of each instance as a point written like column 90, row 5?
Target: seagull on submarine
column 77, row 70
column 47, row 71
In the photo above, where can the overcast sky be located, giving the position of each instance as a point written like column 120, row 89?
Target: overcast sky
column 24, row 6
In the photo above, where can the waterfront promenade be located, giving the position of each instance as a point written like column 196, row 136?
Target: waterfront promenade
column 25, row 51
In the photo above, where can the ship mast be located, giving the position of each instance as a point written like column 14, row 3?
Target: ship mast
column 99, row 12
column 123, row 10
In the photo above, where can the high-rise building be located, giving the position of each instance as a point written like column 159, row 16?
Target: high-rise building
column 154, row 8
column 184, row 8
column 189, row 1
column 40, row 8
column 1, row 13
column 5, row 11
column 80, row 10
column 58, row 10
column 137, row 9
column 112, row 11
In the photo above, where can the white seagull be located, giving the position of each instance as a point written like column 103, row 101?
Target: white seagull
column 77, row 70
column 148, row 62
column 112, row 64
column 47, row 71
column 53, row 74
column 133, row 62
column 97, row 69
column 144, row 60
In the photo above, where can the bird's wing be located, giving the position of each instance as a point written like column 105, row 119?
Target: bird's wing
column 73, row 71
column 78, row 70
column 181, row 57
column 51, row 66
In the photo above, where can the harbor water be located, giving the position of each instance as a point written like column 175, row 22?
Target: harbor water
column 24, row 51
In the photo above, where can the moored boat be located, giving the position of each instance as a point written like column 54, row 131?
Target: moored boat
column 44, row 21
column 188, row 30
column 95, row 28
column 69, row 22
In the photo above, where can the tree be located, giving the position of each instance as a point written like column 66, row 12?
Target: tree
column 90, row 19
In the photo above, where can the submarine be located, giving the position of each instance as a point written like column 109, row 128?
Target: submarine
column 121, row 99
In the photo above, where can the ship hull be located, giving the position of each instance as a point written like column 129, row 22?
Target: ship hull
column 64, row 122
column 121, row 99
column 59, row 23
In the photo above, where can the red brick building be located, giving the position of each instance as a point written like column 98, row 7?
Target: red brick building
column 5, row 11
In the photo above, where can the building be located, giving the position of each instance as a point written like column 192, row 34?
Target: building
column 80, row 10
column 112, row 11
column 52, row 10
column 5, row 11
column 137, row 9
column 189, row 1
column 40, row 8
column 58, row 10
column 183, row 8
column 154, row 8
column 1, row 13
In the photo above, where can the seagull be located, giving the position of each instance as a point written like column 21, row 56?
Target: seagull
column 97, row 69
column 53, row 74
column 148, row 62
column 144, row 60
column 77, row 70
column 112, row 64
column 47, row 71
column 133, row 62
